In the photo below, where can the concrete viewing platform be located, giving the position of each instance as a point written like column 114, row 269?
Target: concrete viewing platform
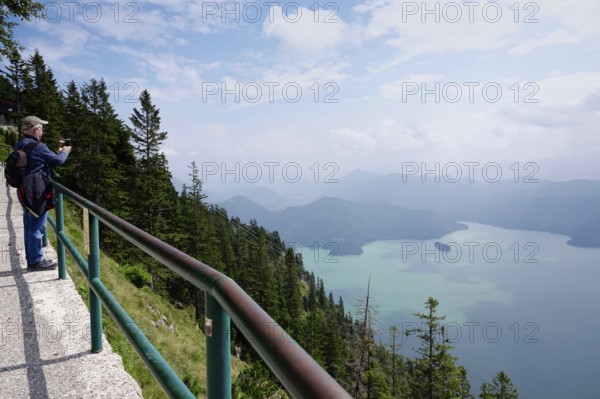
column 44, row 328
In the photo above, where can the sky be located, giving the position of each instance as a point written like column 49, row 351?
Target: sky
column 260, row 92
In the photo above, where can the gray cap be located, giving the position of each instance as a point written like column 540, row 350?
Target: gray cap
column 30, row 121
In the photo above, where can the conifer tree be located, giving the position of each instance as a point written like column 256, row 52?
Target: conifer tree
column 76, row 114
column 156, row 198
column 393, row 331
column 313, row 334
column 41, row 97
column 464, row 388
column 292, row 295
column 9, row 10
column 364, row 345
column 485, row 391
column 311, row 300
column 153, row 188
column 99, row 170
column 500, row 388
column 261, row 273
column 436, row 375
column 15, row 73
column 225, row 238
column 198, row 234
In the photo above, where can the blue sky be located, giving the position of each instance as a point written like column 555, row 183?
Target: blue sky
column 370, row 84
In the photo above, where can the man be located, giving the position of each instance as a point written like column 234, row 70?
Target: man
column 39, row 159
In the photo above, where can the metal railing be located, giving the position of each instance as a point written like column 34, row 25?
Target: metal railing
column 299, row 373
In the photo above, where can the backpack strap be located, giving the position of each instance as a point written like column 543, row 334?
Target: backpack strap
column 30, row 147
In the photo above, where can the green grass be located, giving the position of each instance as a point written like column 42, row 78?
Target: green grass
column 4, row 150
column 184, row 349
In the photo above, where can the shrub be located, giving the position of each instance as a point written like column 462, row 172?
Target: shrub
column 137, row 275
column 10, row 135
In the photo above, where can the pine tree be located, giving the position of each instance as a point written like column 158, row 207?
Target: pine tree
column 156, row 198
column 9, row 10
column 333, row 345
column 224, row 236
column 377, row 374
column 100, row 166
column 146, row 135
column 76, row 114
column 99, row 171
column 464, row 389
column 15, row 73
column 41, row 97
column 364, row 345
column 292, row 294
column 436, row 374
column 311, row 300
column 501, row 388
column 486, row 391
column 154, row 190
column 262, row 276
column 198, row 235
column 393, row 331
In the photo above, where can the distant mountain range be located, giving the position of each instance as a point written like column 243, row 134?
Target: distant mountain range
column 569, row 208
column 364, row 207
column 344, row 226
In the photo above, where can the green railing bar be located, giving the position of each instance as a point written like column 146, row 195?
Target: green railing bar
column 301, row 375
column 95, row 307
column 218, row 350
column 83, row 265
column 158, row 366
column 60, row 247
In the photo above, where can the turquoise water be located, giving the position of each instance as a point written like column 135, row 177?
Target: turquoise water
column 520, row 301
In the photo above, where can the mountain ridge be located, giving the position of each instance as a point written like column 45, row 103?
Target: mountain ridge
column 346, row 224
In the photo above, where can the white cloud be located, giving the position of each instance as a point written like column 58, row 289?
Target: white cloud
column 58, row 41
column 578, row 16
column 391, row 136
column 575, row 20
column 349, row 139
column 386, row 136
column 554, row 38
column 434, row 27
column 170, row 151
column 175, row 78
column 563, row 121
column 304, row 33
column 412, row 29
column 406, row 86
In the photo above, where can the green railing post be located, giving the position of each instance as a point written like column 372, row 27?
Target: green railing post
column 218, row 350
column 94, row 272
column 45, row 238
column 60, row 247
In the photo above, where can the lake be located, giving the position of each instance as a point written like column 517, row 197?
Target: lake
column 520, row 301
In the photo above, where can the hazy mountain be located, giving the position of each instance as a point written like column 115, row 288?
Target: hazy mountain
column 412, row 191
column 344, row 225
column 246, row 209
column 178, row 183
column 350, row 225
column 263, row 196
column 569, row 214
column 571, row 207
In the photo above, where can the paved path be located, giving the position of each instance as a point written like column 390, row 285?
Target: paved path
column 44, row 328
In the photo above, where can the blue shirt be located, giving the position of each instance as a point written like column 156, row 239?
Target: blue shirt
column 40, row 158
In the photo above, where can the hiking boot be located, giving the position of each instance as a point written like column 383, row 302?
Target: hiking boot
column 45, row 264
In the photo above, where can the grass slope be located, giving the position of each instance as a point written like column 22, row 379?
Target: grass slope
column 184, row 348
